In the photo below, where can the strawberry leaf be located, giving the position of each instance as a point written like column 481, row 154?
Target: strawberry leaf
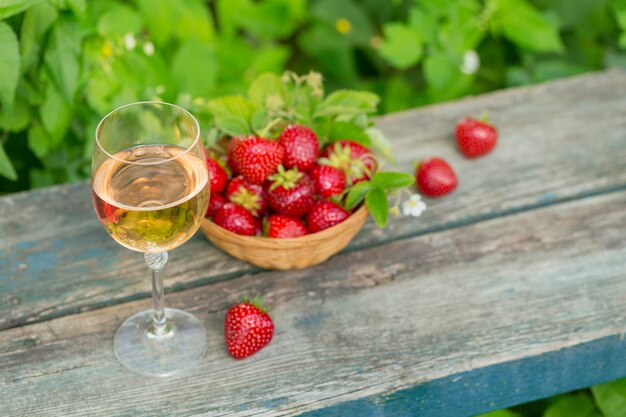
column 260, row 119
column 233, row 106
column 380, row 144
column 232, row 125
column 357, row 194
column 390, row 181
column 266, row 84
column 347, row 102
column 348, row 130
column 377, row 204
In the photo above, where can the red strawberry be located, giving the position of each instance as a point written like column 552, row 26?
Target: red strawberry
column 435, row 177
column 325, row 214
column 475, row 138
column 301, row 147
column 247, row 328
column 258, row 158
column 355, row 160
column 231, row 148
column 217, row 175
column 215, row 203
column 329, row 181
column 236, row 219
column 291, row 193
column 247, row 195
column 284, row 226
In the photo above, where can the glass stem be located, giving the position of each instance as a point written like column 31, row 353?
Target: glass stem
column 156, row 262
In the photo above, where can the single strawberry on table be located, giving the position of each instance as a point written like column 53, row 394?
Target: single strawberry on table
column 258, row 158
column 301, row 147
column 435, row 177
column 247, row 195
column 475, row 137
column 217, row 175
column 290, row 192
column 279, row 226
column 236, row 219
column 325, row 214
column 247, row 328
column 328, row 180
column 354, row 159
column 215, row 203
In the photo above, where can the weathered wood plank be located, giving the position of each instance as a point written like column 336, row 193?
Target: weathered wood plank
column 559, row 141
column 365, row 327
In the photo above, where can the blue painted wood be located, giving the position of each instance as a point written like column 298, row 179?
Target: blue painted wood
column 498, row 386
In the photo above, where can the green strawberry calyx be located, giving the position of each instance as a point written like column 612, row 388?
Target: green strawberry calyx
column 287, row 179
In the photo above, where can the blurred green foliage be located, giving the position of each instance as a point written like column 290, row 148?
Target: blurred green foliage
column 66, row 63
column 604, row 400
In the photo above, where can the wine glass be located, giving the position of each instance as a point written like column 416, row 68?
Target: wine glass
column 150, row 191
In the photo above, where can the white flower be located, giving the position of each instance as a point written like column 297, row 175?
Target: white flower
column 148, row 48
column 414, row 206
column 471, row 62
column 129, row 41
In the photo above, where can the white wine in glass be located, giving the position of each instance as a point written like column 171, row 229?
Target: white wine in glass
column 150, row 192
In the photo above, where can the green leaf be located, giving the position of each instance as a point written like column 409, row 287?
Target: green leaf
column 6, row 167
column 574, row 406
column 402, row 46
column 357, row 194
column 37, row 21
column 611, row 398
column 180, row 19
column 424, row 24
column 38, row 141
column 17, row 118
column 195, row 68
column 61, row 58
column 390, row 181
column 9, row 65
column 349, row 130
column 233, row 125
column 346, row 18
column 619, row 9
column 260, row 119
column 377, row 204
column 521, row 23
column 235, row 106
column 118, row 21
column 380, row 144
column 11, row 7
column 55, row 115
column 347, row 102
column 264, row 85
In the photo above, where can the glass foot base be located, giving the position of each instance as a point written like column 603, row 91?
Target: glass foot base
column 142, row 352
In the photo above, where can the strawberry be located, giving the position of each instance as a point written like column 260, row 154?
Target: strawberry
column 475, row 137
column 434, row 177
column 236, row 219
column 329, row 181
column 301, row 147
column 284, row 226
column 231, row 148
column 257, row 158
column 247, row 195
column 325, row 214
column 217, row 175
column 354, row 159
column 215, row 203
column 291, row 193
column 247, row 328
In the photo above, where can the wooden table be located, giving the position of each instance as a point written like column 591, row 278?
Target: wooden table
column 511, row 289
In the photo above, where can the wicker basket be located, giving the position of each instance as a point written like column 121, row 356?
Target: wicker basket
column 291, row 253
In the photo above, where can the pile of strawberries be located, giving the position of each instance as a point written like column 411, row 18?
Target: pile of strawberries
column 287, row 187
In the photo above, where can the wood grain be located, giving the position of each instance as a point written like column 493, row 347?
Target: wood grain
column 558, row 141
column 365, row 327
